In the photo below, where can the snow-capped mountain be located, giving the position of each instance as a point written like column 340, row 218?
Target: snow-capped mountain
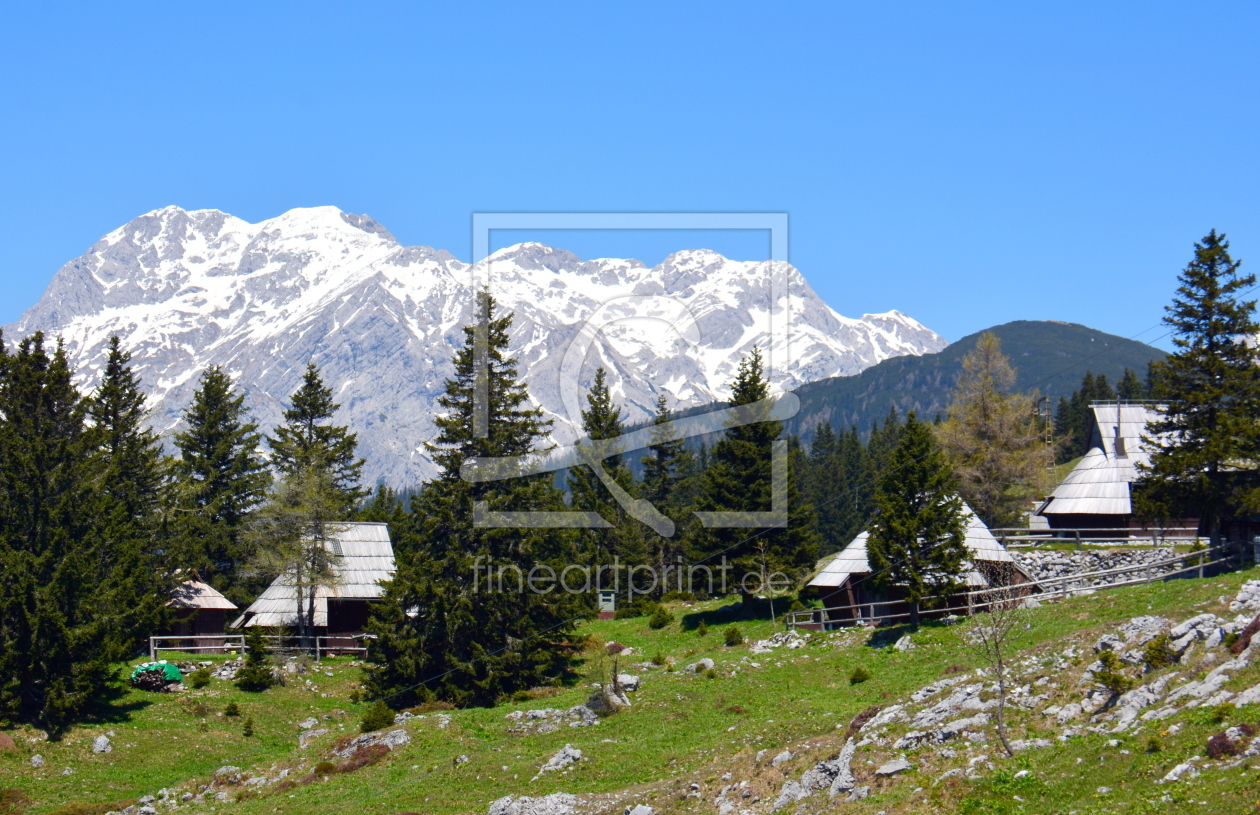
column 187, row 289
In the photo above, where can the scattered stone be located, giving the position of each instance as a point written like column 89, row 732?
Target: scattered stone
column 308, row 736
column 606, row 700
column 628, row 682
column 785, row 756
column 567, row 755
column 1103, row 790
column 903, row 644
column 640, row 809
column 897, row 765
column 858, row 794
column 307, row 724
column 1185, row 770
column 392, row 739
column 101, row 744
column 703, row 665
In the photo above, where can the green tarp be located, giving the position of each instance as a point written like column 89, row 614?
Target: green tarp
column 171, row 672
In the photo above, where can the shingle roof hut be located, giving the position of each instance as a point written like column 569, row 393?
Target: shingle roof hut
column 198, row 610
column 366, row 558
column 843, row 580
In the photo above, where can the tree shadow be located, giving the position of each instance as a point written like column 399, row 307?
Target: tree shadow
column 738, row 611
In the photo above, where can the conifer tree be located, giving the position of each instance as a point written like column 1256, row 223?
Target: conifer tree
column 62, row 585
column 1130, row 387
column 738, row 479
column 308, row 440
column 1206, row 441
column 917, row 540
column 993, row 437
column 457, row 621
column 221, row 479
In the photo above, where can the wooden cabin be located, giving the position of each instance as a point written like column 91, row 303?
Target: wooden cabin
column 364, row 557
column 1096, row 495
column 845, row 584
column 199, row 611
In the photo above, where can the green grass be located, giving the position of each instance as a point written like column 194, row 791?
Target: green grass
column 682, row 728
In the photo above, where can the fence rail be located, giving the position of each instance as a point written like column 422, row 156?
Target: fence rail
column 223, row 643
column 1046, row 588
column 1157, row 537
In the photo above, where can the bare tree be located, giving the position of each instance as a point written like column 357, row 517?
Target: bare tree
column 991, row 632
column 294, row 536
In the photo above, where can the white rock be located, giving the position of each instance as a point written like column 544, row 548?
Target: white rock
column 567, row 755
column 101, row 744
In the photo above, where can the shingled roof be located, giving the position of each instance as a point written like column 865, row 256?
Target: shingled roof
column 366, row 558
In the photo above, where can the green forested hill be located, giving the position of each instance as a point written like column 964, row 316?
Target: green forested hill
column 1049, row 356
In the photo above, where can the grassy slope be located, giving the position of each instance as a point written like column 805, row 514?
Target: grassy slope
column 682, row 729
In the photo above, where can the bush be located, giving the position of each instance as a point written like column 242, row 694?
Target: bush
column 702, row 630
column 859, row 675
column 733, row 636
column 1154, row 745
column 660, row 619
column 1110, row 677
column 797, row 605
column 679, row 597
column 232, row 709
column 355, row 696
column 248, row 730
column 324, row 768
column 1230, row 638
column 198, row 678
column 1158, row 653
column 377, row 716
column 659, row 658
column 711, row 673
column 255, row 675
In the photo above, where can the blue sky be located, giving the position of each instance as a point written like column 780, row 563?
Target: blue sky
column 968, row 164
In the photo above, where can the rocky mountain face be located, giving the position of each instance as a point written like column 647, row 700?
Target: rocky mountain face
column 188, row 289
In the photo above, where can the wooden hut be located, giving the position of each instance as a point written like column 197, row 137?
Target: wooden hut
column 845, row 586
column 363, row 558
column 199, row 611
column 1096, row 496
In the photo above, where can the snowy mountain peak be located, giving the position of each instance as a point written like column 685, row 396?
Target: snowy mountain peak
column 185, row 289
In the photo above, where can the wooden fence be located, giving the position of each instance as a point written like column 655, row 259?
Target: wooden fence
column 1190, row 564
column 276, row 643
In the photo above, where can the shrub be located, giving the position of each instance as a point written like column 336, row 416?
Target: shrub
column 324, row 768
column 198, row 678
column 1222, row 746
column 702, row 630
column 255, row 675
column 1110, row 677
column 1158, row 653
column 733, row 636
column 679, row 597
column 522, row 696
column 1230, row 639
column 355, row 696
column 859, row 675
column 659, row 658
column 711, row 673
column 860, row 720
column 232, row 709
column 13, row 800
column 248, row 730
column 660, row 619
column 431, row 706
column 1154, row 745
column 377, row 715
column 669, row 668
column 797, row 605
column 363, row 757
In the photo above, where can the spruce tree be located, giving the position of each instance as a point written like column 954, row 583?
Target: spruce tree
column 1206, row 441
column 1130, row 388
column 917, row 540
column 63, row 627
column 738, row 479
column 221, row 479
column 308, row 440
column 458, row 621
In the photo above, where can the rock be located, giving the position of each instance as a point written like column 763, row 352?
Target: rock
column 628, row 682
column 1069, row 712
column 858, row 794
column 226, row 771
column 606, row 700
column 785, row 756
column 792, row 792
column 101, row 744
column 1109, row 642
column 1029, row 602
column 903, row 644
column 567, row 755
column 948, row 774
column 1185, row 770
column 1192, row 624
column 640, row 809
column 395, row 738
column 462, row 759
column 1103, row 790
column 307, row 724
column 558, row 803
column 703, row 665
column 897, row 765
column 392, row 739
column 1249, row 696
column 308, row 736
column 841, row 771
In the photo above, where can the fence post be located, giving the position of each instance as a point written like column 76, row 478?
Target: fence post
column 1077, row 532
column 152, row 645
column 1200, row 565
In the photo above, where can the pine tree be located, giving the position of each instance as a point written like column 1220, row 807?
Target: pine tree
column 221, row 479
column 917, row 538
column 738, row 479
column 1130, row 388
column 452, row 622
column 308, row 440
column 1206, row 441
column 992, row 437
column 61, row 583
column 127, row 478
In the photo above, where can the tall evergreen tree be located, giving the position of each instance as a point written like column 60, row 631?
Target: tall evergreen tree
column 221, row 479
column 993, row 437
column 63, row 622
column 917, row 540
column 738, row 479
column 457, row 621
column 308, row 440
column 1130, row 387
column 1206, row 441
column 669, row 476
